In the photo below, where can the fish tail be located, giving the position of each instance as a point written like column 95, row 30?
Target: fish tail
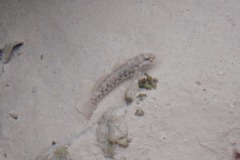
column 88, row 109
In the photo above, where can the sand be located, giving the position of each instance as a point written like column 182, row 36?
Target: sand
column 193, row 114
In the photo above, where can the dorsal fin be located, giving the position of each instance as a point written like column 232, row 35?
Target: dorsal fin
column 99, row 81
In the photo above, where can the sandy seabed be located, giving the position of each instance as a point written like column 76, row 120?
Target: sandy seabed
column 193, row 114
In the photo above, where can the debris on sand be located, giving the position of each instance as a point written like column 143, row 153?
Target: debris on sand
column 112, row 131
column 236, row 154
column 13, row 115
column 108, row 133
column 6, row 52
column 148, row 82
column 130, row 93
column 139, row 112
column 141, row 96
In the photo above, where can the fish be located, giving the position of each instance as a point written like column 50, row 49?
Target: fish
column 119, row 74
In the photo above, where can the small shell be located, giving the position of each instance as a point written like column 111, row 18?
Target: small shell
column 198, row 83
column 139, row 112
column 142, row 96
column 155, row 80
column 129, row 140
column 122, row 143
column 13, row 115
column 130, row 95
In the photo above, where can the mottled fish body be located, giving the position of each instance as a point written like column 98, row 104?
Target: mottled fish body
column 126, row 70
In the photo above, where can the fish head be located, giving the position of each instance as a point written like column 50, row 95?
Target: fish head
column 147, row 60
column 149, row 57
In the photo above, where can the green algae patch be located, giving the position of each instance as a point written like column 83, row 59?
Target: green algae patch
column 61, row 153
column 147, row 82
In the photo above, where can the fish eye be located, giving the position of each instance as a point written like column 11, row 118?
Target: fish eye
column 146, row 59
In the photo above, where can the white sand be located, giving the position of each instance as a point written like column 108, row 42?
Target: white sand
column 81, row 40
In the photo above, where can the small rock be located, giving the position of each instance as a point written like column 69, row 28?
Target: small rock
column 231, row 105
column 130, row 95
column 53, row 142
column 13, row 115
column 142, row 96
column 139, row 112
column 236, row 154
column 129, row 140
column 5, row 155
column 122, row 143
column 220, row 73
column 198, row 83
column 168, row 104
column 204, row 108
column 155, row 80
column 34, row 90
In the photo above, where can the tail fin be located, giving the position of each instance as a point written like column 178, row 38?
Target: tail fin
column 88, row 109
